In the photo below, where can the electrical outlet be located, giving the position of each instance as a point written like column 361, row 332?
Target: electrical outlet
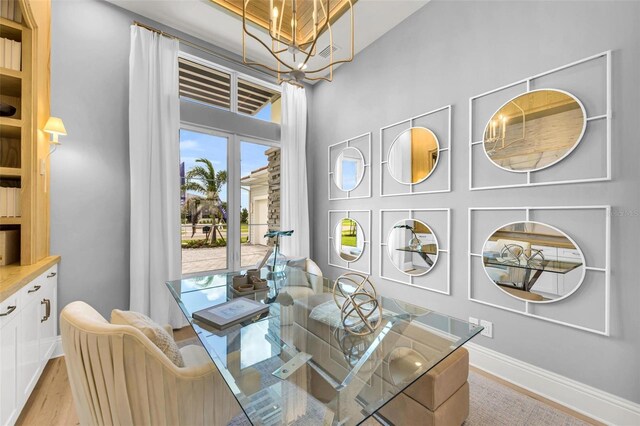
column 473, row 322
column 488, row 328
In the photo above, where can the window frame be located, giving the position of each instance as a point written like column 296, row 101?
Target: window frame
column 234, row 141
column 234, row 76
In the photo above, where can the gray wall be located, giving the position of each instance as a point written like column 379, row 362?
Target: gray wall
column 90, row 171
column 445, row 53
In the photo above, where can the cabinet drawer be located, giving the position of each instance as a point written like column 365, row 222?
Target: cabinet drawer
column 10, row 308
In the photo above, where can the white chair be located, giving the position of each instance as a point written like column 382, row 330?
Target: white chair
column 119, row 377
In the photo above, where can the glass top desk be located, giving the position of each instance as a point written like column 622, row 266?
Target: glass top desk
column 533, row 268
column 297, row 365
column 424, row 252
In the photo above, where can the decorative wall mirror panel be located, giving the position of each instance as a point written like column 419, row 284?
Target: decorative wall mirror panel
column 349, row 164
column 349, row 240
column 415, row 154
column 534, row 130
column 533, row 261
column 414, row 247
column 550, row 263
column 349, row 169
column 547, row 129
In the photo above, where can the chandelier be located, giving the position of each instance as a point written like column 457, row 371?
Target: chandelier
column 293, row 30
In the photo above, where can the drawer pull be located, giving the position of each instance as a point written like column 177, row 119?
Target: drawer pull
column 34, row 289
column 9, row 310
column 51, row 275
column 47, row 313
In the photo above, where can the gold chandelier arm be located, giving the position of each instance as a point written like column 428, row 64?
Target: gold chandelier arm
column 246, row 31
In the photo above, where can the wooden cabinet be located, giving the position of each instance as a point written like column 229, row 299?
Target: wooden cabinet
column 28, row 333
column 24, row 149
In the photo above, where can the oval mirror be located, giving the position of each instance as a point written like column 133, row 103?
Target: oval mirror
column 534, row 130
column 349, row 169
column 412, row 247
column 533, row 262
column 413, row 155
column 348, row 240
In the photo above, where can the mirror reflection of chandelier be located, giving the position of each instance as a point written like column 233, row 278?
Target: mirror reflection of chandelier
column 291, row 33
column 496, row 132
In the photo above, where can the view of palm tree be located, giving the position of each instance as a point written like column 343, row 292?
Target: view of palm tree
column 208, row 182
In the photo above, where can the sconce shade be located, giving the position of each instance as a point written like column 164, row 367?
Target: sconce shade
column 55, row 126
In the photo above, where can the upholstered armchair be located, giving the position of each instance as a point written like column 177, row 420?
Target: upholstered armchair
column 119, row 377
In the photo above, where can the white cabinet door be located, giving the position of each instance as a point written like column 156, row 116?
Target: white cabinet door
column 48, row 316
column 9, row 333
column 29, row 345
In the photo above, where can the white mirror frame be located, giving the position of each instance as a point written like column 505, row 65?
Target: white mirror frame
column 396, row 140
column 363, row 144
column 526, row 308
column 335, row 244
column 357, row 265
column 580, row 281
column 443, row 250
column 435, row 261
column 444, row 142
column 566, row 154
column 604, row 59
column 358, row 178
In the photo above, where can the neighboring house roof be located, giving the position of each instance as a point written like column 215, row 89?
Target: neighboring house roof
column 256, row 177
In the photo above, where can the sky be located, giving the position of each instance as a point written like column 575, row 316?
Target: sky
column 194, row 145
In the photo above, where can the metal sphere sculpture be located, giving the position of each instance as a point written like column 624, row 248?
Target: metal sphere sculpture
column 356, row 297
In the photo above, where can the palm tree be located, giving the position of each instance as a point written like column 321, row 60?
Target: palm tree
column 206, row 181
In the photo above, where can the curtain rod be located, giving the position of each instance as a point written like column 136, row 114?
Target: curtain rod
column 201, row 48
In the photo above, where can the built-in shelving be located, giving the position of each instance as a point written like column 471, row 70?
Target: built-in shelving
column 24, row 148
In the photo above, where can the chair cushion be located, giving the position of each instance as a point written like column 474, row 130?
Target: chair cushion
column 152, row 330
column 194, row 355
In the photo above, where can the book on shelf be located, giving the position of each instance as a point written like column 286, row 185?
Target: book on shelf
column 4, row 9
column 7, row 52
column 11, row 202
column 2, row 47
column 10, row 9
column 16, row 55
column 230, row 313
column 3, row 201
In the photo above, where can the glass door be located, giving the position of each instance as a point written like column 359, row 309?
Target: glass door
column 204, row 176
column 259, row 199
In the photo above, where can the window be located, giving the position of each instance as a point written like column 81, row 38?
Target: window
column 230, row 182
column 219, row 87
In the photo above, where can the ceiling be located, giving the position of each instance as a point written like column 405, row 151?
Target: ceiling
column 211, row 23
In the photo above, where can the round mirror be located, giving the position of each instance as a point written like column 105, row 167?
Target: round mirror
column 533, row 262
column 348, row 240
column 534, row 130
column 413, row 155
column 349, row 169
column 412, row 247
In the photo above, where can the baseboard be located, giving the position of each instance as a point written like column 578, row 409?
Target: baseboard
column 57, row 349
column 591, row 402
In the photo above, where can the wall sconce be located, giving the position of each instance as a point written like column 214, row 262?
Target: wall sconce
column 55, row 127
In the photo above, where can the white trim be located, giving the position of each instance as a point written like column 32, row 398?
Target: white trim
column 594, row 403
column 605, row 331
column 57, row 348
column 446, row 250
column 366, row 242
column 527, row 81
column 366, row 168
column 448, row 148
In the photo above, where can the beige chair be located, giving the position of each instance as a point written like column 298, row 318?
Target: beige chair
column 119, row 377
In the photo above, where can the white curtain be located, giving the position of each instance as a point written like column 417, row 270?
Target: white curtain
column 294, row 207
column 154, row 156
